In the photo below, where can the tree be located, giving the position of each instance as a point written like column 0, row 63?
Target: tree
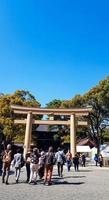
column 55, row 103
column 7, row 126
column 98, row 99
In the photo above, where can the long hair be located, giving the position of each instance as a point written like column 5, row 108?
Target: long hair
column 50, row 149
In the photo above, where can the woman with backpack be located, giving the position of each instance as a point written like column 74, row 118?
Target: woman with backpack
column 7, row 156
column 49, row 162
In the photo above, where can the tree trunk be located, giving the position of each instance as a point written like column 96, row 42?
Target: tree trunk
column 98, row 145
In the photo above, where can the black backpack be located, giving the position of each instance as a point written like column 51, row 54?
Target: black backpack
column 34, row 158
column 50, row 159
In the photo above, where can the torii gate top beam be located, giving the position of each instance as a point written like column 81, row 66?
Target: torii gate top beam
column 51, row 111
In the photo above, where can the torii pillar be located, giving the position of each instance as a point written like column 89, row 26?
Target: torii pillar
column 28, row 131
column 72, row 135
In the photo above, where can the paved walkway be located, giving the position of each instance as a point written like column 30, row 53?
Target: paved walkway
column 87, row 184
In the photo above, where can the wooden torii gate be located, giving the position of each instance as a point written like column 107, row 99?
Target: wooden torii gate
column 30, row 111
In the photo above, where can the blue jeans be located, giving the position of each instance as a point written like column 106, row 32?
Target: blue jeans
column 68, row 164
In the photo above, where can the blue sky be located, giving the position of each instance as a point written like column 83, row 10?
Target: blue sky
column 54, row 49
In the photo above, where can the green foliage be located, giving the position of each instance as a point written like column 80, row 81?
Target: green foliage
column 54, row 104
column 105, row 136
column 7, row 126
column 56, row 137
column 76, row 102
column 61, row 130
column 65, row 139
column 98, row 99
column 19, row 138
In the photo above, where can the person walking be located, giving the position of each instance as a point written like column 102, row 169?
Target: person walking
column 49, row 162
column 60, row 160
column 68, row 160
column 96, row 159
column 34, row 160
column 17, row 164
column 76, row 162
column 1, row 156
column 83, row 157
column 7, row 157
column 41, row 164
column 101, row 160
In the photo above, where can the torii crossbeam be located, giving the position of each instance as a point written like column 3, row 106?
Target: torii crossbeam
column 30, row 111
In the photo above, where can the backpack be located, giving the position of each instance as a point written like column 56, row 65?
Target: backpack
column 34, row 158
column 50, row 159
column 7, row 157
column 61, row 158
column 22, row 161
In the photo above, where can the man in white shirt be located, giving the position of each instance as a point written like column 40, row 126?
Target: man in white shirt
column 60, row 157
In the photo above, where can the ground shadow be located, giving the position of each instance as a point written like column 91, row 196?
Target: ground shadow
column 20, row 182
column 67, row 183
column 74, row 177
column 65, row 177
column 54, row 182
column 10, row 173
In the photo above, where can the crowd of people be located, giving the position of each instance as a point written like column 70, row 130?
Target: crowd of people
column 39, row 163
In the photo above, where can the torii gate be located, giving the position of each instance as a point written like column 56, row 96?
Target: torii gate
column 30, row 111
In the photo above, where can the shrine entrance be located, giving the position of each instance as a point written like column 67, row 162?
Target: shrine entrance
column 31, row 111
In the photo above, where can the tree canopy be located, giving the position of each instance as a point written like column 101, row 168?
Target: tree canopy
column 98, row 99
column 7, row 126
